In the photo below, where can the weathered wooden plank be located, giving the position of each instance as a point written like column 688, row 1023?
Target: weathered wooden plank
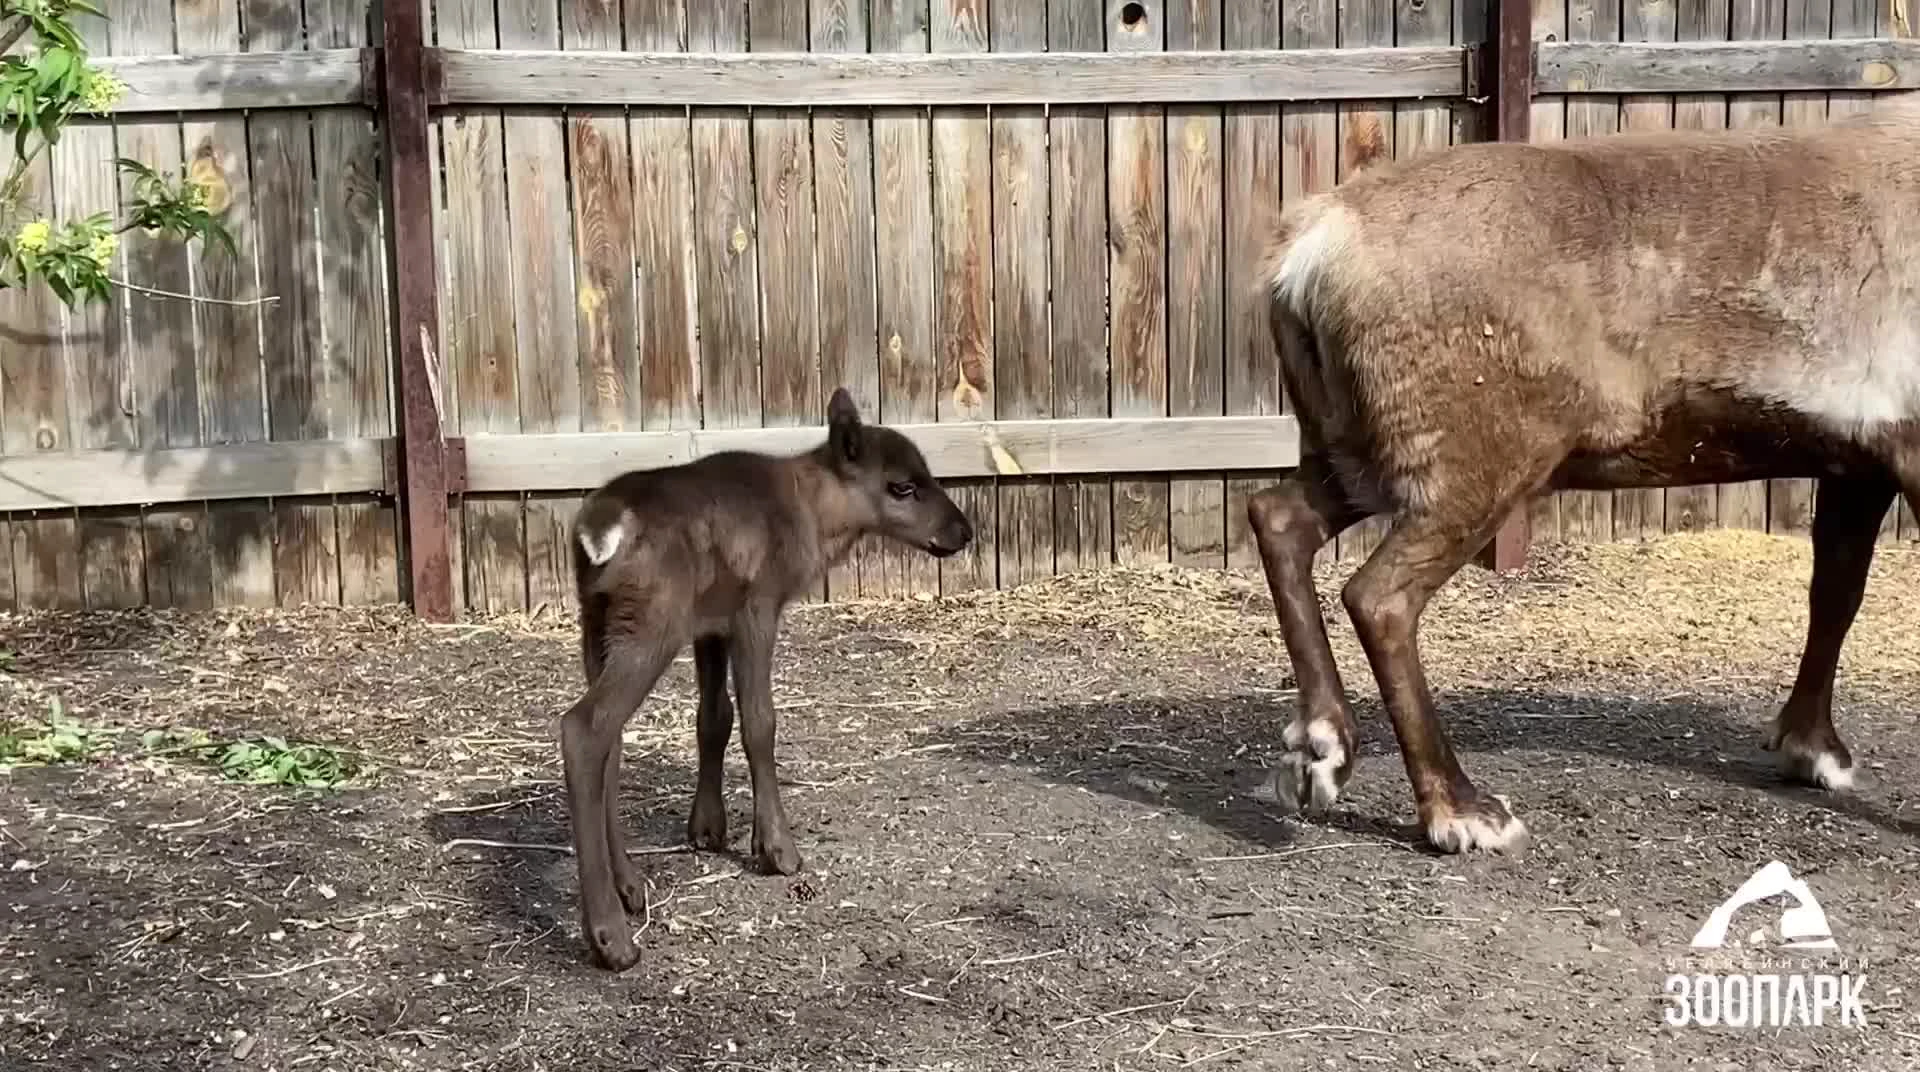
column 1790, row 502
column 43, row 562
column 1547, row 121
column 45, row 553
column 601, row 179
column 904, row 276
column 161, row 350
column 1696, row 508
column 297, row 376
column 1367, row 137
column 1077, row 137
column 1251, row 161
column 1663, row 66
column 118, row 476
column 231, row 80
column 790, row 391
column 712, row 78
column 353, row 310
column 844, row 278
column 113, row 570
column 1196, row 325
column 668, row 388
column 102, row 382
column 963, row 257
column 230, row 359
column 541, row 253
column 725, row 242
column 483, row 352
column 954, row 449
column 549, row 540
column 1137, row 241
column 1640, row 512
column 1022, row 357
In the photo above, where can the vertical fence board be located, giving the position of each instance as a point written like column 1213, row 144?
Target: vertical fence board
column 1588, row 515
column 904, row 276
column 1366, row 137
column 482, row 341
column 42, row 548
column 600, row 170
column 1022, row 346
column 232, row 410
column 1196, row 375
column 1547, row 121
column 1137, row 237
column 1077, row 188
column 724, row 227
column 843, row 214
column 963, row 178
column 669, row 367
column 353, row 308
column 1790, row 502
column 1251, row 196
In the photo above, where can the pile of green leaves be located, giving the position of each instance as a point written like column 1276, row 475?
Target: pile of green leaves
column 264, row 760
column 55, row 739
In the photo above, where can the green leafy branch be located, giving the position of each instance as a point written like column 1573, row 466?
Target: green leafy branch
column 41, row 90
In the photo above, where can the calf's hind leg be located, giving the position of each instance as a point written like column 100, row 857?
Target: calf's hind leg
column 1291, row 521
column 1846, row 522
column 589, row 753
column 707, row 822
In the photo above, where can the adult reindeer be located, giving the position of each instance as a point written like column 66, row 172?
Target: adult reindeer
column 1465, row 329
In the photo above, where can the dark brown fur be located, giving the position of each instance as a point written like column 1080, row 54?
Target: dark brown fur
column 709, row 554
column 1465, row 329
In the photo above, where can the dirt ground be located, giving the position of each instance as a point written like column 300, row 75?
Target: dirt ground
column 1029, row 825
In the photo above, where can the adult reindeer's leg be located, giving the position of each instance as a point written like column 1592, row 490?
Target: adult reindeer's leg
column 1291, row 521
column 707, row 822
column 589, row 751
column 1385, row 598
column 753, row 640
column 1846, row 522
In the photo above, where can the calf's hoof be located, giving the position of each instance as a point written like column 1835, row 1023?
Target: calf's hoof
column 1484, row 823
column 707, row 828
column 1318, row 762
column 777, row 856
column 612, row 946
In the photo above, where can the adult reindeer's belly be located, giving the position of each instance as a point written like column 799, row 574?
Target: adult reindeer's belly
column 1716, row 437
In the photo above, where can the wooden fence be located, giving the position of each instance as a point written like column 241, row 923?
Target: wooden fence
column 519, row 245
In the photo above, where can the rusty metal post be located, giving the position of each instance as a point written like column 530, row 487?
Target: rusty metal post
column 405, row 81
column 1507, row 72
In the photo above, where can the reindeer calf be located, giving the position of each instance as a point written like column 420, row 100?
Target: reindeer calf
column 1462, row 330
column 710, row 553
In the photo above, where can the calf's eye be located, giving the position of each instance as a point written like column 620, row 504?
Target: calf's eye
column 901, row 489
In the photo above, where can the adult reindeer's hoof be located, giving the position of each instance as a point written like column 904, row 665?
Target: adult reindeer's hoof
column 1318, row 762
column 612, row 946
column 1483, row 823
column 1811, row 760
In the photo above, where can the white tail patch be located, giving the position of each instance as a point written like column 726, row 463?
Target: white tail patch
column 600, row 546
column 1308, row 258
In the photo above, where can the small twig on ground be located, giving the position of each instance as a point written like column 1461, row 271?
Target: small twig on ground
column 912, row 993
column 1128, row 1011
column 343, row 995
column 529, row 846
column 498, row 805
column 283, row 971
column 996, row 962
column 1302, row 850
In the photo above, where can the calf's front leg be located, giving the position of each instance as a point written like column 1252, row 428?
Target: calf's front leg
column 753, row 640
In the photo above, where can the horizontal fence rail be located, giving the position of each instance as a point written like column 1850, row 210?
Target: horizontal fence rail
column 1726, row 66
column 795, row 79
column 955, row 450
column 250, row 80
column 185, row 474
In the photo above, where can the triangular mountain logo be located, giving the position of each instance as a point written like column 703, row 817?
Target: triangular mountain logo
column 1803, row 925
